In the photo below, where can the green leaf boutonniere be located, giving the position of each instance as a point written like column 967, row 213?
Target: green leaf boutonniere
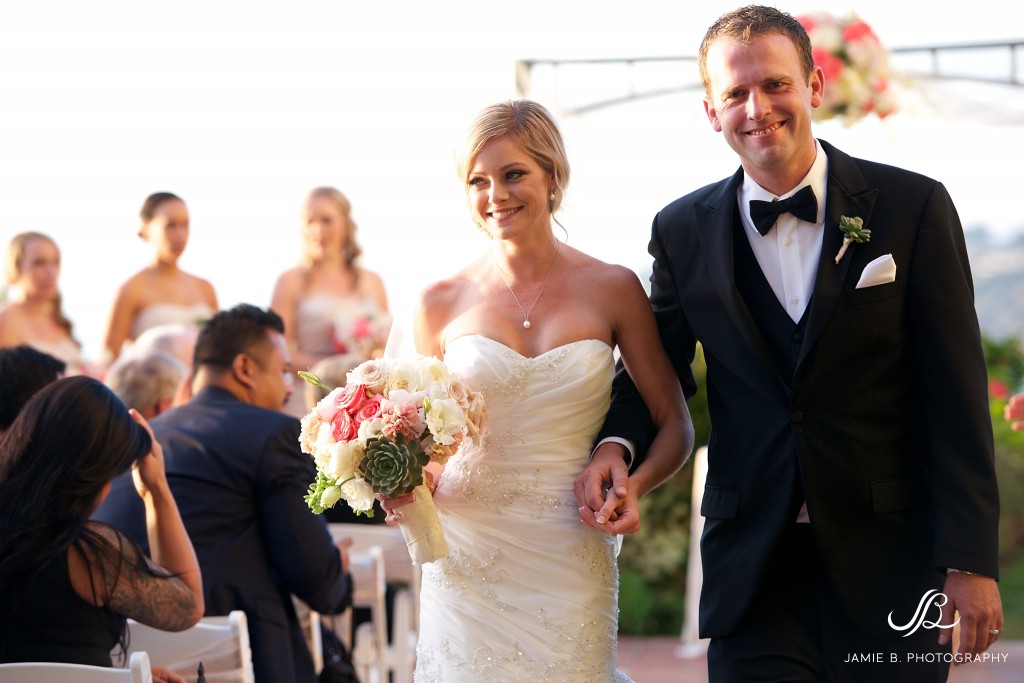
column 854, row 231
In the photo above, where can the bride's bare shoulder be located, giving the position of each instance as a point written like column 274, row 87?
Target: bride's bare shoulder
column 448, row 292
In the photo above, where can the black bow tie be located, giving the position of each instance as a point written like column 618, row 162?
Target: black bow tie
column 803, row 205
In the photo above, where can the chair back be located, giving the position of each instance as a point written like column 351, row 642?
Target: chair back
column 220, row 643
column 138, row 671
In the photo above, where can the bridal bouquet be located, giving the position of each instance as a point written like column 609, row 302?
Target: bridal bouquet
column 856, row 67
column 375, row 434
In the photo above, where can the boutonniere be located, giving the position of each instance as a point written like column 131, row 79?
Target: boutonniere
column 854, row 231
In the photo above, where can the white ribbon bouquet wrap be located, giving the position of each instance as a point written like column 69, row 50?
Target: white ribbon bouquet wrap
column 375, row 435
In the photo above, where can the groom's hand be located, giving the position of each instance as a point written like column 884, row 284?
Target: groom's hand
column 977, row 600
column 607, row 472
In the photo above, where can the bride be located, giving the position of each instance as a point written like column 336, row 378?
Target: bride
column 528, row 592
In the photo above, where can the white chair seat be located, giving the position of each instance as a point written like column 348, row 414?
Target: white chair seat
column 220, row 643
column 138, row 671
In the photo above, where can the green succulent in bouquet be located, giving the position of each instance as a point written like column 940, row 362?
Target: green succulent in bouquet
column 393, row 467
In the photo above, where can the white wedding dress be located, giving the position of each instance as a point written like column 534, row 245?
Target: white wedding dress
column 528, row 593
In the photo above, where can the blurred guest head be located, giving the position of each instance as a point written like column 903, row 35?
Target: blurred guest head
column 147, row 381
column 243, row 350
column 23, row 372
column 56, row 464
column 33, row 268
column 328, row 227
column 175, row 339
column 165, row 225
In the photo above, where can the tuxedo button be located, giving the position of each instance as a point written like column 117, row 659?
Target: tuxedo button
column 798, row 337
column 797, row 416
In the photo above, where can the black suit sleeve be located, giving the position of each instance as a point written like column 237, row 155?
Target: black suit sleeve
column 301, row 551
column 628, row 416
column 955, row 425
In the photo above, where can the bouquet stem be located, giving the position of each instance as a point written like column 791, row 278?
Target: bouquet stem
column 421, row 528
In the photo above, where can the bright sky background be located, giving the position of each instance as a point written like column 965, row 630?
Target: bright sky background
column 242, row 107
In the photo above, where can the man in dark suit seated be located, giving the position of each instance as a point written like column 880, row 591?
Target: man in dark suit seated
column 236, row 471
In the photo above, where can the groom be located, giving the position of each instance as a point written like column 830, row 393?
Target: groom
column 850, row 468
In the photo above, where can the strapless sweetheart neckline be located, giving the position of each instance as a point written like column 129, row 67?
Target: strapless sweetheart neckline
column 556, row 349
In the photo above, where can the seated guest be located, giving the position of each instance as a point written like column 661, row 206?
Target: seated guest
column 67, row 584
column 24, row 371
column 147, row 382
column 176, row 339
column 235, row 468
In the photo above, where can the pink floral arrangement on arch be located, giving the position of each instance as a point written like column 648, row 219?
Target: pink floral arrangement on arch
column 856, row 67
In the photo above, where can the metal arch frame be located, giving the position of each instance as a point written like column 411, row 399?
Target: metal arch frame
column 1013, row 78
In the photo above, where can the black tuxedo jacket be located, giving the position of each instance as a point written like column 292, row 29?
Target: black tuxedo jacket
column 885, row 421
column 239, row 478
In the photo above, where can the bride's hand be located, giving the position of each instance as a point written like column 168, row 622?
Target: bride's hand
column 623, row 514
column 392, row 506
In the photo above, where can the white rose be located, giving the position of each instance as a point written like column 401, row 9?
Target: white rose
column 359, row 494
column 432, row 370
column 373, row 373
column 369, row 429
column 404, row 374
column 444, row 419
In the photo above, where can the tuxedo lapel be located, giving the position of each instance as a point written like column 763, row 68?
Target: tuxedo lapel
column 847, row 195
column 715, row 220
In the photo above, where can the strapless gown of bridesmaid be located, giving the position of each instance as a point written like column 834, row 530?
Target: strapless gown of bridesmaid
column 166, row 313
column 528, row 593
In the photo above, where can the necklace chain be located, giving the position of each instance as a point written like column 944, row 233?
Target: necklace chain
column 525, row 312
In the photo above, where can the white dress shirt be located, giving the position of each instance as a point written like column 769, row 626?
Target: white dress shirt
column 788, row 254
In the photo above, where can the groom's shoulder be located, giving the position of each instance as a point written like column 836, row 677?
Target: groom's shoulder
column 709, row 194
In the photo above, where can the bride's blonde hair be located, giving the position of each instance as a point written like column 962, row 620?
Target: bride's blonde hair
column 530, row 126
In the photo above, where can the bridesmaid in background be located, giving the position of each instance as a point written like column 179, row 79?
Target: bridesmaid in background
column 33, row 314
column 329, row 304
column 161, row 292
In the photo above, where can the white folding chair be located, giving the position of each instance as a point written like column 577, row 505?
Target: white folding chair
column 138, row 671
column 220, row 643
column 310, row 622
column 369, row 590
column 398, row 566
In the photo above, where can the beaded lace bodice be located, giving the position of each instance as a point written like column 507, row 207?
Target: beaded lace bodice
column 528, row 593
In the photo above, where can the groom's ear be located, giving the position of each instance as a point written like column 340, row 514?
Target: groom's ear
column 709, row 109
column 816, row 84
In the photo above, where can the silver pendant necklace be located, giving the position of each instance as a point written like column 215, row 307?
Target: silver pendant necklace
column 525, row 312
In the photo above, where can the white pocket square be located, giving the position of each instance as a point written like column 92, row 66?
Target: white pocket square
column 878, row 272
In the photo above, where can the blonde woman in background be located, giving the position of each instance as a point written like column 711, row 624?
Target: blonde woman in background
column 161, row 292
column 33, row 314
column 329, row 304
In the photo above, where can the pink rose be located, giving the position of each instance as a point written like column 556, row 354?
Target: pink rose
column 368, row 410
column 352, row 398
column 344, row 427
